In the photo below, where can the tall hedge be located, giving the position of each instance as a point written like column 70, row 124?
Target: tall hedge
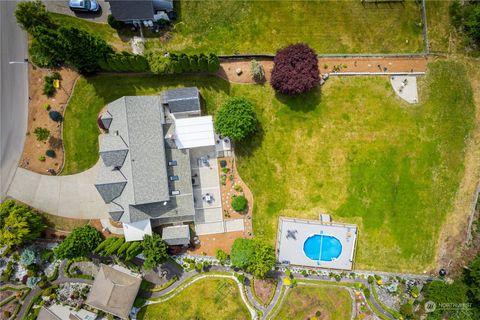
column 295, row 70
column 182, row 63
column 124, row 62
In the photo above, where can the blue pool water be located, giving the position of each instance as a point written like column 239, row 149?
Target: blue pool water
column 322, row 247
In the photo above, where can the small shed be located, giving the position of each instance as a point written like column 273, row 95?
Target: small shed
column 176, row 235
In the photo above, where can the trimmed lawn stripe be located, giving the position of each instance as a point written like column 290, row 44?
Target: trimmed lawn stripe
column 303, row 302
column 224, row 302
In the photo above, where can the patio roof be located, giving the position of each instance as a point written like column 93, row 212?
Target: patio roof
column 137, row 230
column 194, row 132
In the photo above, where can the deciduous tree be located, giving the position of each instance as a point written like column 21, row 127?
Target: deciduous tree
column 236, row 119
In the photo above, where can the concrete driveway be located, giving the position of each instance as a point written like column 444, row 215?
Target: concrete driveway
column 72, row 196
column 13, row 93
column 61, row 6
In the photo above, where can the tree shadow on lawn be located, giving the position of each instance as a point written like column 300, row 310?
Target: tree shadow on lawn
column 305, row 102
column 248, row 146
column 113, row 86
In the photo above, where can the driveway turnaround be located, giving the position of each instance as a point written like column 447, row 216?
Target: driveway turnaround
column 72, row 196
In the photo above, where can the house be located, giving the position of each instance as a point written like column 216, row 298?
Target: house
column 114, row 290
column 146, row 174
column 60, row 312
column 135, row 12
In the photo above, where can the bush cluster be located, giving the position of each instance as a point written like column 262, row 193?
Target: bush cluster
column 48, row 88
column 236, row 119
column 239, row 203
column 258, row 73
column 124, row 62
column 182, row 63
column 466, row 18
column 79, row 243
column 55, row 116
column 253, row 256
column 42, row 134
column 295, row 70
column 50, row 153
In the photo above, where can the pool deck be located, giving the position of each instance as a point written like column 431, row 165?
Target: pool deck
column 292, row 234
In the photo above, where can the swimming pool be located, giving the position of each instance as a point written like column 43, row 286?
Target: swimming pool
column 322, row 247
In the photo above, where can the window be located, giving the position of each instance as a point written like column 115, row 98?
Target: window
column 172, row 163
column 175, row 192
column 173, row 178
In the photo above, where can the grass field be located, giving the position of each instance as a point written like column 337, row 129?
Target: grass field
column 228, row 27
column 204, row 299
column 438, row 23
column 303, row 302
column 61, row 223
column 101, row 30
column 352, row 149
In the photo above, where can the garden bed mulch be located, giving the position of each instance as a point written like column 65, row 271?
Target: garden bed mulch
column 38, row 117
column 228, row 68
column 264, row 289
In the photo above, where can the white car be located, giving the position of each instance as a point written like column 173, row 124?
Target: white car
column 84, row 5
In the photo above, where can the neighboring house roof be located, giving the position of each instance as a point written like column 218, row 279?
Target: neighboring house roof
column 176, row 235
column 194, row 132
column 114, row 291
column 182, row 100
column 165, row 5
column 45, row 314
column 124, row 10
column 137, row 230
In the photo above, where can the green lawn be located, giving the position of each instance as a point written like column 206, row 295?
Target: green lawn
column 205, row 299
column 353, row 149
column 227, row 27
column 438, row 24
column 101, row 30
column 61, row 223
column 303, row 302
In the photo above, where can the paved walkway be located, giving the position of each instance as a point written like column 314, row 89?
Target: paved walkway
column 61, row 279
column 72, row 196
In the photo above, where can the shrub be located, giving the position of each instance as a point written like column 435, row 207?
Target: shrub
column 406, row 310
column 241, row 277
column 254, row 256
column 50, row 153
column 30, row 14
column 55, row 116
column 213, row 63
column 222, row 256
column 366, row 292
column 258, row 73
column 239, row 203
column 371, row 279
column 295, row 70
column 28, row 257
column 48, row 89
column 202, row 62
column 46, row 106
column 154, row 250
column 42, row 158
column 42, row 134
column 80, row 242
column 415, row 291
column 124, row 62
column 114, row 23
column 236, row 119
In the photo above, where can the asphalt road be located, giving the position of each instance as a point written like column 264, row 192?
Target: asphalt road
column 13, row 93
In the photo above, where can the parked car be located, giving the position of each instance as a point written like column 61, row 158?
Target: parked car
column 84, row 5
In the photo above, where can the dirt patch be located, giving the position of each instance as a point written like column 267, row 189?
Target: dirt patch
column 10, row 308
column 452, row 253
column 228, row 68
column 38, row 116
column 264, row 289
column 209, row 244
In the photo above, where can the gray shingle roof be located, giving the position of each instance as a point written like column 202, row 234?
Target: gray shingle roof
column 124, row 10
column 176, row 235
column 106, row 118
column 136, row 139
column 182, row 99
